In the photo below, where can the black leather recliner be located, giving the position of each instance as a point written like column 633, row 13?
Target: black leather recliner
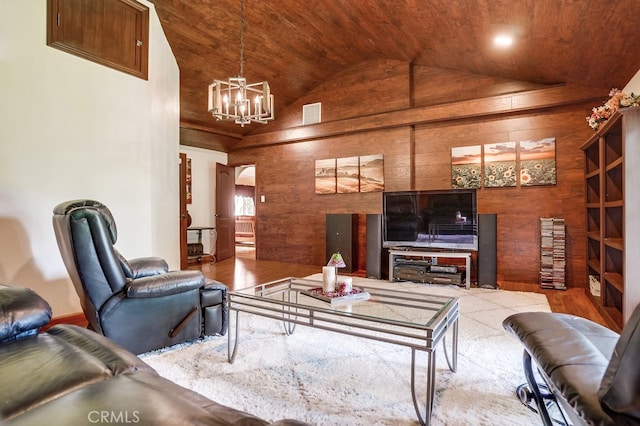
column 137, row 303
column 586, row 370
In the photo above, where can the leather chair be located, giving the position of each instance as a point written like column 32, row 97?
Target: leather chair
column 137, row 303
column 586, row 370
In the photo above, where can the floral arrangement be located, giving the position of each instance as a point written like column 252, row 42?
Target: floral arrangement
column 617, row 100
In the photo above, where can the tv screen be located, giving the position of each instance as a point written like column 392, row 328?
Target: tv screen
column 445, row 219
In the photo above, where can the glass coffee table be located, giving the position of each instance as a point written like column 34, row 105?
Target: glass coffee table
column 416, row 320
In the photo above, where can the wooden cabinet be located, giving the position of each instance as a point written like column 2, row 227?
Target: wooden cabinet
column 114, row 33
column 612, row 185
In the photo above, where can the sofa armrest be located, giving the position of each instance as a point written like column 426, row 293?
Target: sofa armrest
column 116, row 358
column 22, row 312
column 172, row 282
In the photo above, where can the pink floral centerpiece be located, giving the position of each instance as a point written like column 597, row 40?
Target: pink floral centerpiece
column 617, row 100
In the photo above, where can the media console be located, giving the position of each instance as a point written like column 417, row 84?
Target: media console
column 419, row 261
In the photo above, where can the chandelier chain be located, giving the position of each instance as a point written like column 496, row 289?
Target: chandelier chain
column 241, row 38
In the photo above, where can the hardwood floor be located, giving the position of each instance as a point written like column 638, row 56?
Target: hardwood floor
column 245, row 271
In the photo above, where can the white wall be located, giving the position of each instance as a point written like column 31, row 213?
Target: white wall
column 203, row 174
column 70, row 128
column 634, row 85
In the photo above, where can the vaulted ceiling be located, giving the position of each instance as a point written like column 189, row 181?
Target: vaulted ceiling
column 296, row 45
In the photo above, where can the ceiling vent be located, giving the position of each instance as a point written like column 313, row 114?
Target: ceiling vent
column 311, row 113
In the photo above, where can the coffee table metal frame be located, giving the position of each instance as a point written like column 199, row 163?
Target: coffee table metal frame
column 428, row 319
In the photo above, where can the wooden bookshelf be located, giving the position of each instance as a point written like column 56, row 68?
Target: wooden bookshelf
column 611, row 203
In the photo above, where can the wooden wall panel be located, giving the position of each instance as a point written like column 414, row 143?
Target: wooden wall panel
column 198, row 138
column 518, row 208
column 351, row 94
column 487, row 109
column 290, row 224
column 433, row 86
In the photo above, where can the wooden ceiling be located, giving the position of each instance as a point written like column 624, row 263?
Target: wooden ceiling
column 296, row 45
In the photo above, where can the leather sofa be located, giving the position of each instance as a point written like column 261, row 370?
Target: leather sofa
column 586, row 370
column 137, row 303
column 73, row 376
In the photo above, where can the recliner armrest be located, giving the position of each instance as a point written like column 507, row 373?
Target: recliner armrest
column 216, row 285
column 143, row 267
column 172, row 282
column 147, row 266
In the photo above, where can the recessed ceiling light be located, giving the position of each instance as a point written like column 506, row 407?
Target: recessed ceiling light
column 503, row 41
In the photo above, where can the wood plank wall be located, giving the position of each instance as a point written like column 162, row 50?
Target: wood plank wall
column 290, row 224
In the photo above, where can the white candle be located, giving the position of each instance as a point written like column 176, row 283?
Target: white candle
column 347, row 284
column 328, row 278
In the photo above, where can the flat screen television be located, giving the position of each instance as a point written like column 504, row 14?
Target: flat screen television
column 446, row 219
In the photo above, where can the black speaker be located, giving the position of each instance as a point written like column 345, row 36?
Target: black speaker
column 375, row 253
column 487, row 250
column 342, row 237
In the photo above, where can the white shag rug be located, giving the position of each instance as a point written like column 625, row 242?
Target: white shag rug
column 325, row 378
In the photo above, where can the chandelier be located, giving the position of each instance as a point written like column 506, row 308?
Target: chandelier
column 235, row 100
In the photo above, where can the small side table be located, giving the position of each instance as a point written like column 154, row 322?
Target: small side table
column 198, row 253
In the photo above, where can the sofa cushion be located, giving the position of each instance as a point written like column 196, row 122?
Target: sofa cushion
column 74, row 376
column 22, row 312
column 620, row 387
column 43, row 367
column 142, row 398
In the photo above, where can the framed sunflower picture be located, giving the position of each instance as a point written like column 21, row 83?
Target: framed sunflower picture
column 538, row 162
column 466, row 168
column 500, row 165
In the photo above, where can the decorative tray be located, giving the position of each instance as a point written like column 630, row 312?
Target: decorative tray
column 337, row 297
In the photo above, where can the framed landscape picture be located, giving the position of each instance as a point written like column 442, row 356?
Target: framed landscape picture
column 466, row 167
column 347, row 175
column 371, row 173
column 325, row 174
column 538, row 162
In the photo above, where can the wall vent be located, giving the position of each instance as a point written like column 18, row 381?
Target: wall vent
column 311, row 113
